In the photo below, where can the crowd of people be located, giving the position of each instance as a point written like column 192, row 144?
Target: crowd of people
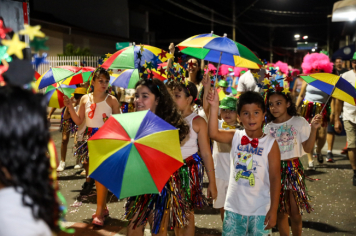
column 246, row 134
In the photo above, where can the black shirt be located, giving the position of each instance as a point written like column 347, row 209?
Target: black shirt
column 339, row 72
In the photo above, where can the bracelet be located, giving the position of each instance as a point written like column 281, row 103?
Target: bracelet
column 209, row 170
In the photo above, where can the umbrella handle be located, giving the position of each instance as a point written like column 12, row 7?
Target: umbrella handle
column 217, row 70
column 327, row 101
column 61, row 88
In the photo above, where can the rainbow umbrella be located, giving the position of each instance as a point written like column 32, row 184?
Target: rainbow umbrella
column 54, row 94
column 81, row 76
column 134, row 57
column 334, row 85
column 130, row 156
column 126, row 79
column 194, row 51
column 221, row 50
column 56, row 74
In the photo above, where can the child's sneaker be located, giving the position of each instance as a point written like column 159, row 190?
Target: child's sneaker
column 319, row 157
column 311, row 165
column 330, row 157
column 62, row 166
column 77, row 166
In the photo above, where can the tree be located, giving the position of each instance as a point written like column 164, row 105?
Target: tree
column 71, row 51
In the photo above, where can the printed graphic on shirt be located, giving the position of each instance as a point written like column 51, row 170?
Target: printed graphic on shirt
column 245, row 166
column 285, row 136
column 248, row 148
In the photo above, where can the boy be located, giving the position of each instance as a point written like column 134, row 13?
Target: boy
column 221, row 151
column 254, row 185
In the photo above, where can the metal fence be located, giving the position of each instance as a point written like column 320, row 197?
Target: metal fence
column 68, row 61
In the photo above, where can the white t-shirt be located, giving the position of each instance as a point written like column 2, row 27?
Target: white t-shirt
column 248, row 83
column 249, row 187
column 221, row 157
column 349, row 110
column 290, row 135
column 17, row 219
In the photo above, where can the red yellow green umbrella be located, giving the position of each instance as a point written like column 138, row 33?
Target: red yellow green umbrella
column 130, row 156
column 56, row 74
column 126, row 79
column 80, row 77
column 54, row 94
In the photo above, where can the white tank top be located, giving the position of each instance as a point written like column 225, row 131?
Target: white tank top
column 101, row 108
column 190, row 147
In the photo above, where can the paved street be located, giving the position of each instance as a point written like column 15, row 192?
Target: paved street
column 334, row 201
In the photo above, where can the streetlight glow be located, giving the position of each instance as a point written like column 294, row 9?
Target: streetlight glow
column 305, row 37
column 297, row 36
column 313, row 50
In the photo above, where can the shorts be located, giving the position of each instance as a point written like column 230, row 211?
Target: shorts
column 350, row 129
column 331, row 130
column 239, row 225
column 221, row 186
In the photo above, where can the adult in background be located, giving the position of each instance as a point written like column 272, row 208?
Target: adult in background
column 349, row 116
column 330, row 137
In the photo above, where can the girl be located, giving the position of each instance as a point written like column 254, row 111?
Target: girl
column 28, row 205
column 194, row 71
column 94, row 108
column 153, row 95
column 184, row 96
column 294, row 136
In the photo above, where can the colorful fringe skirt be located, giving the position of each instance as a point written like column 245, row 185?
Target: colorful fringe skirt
column 310, row 109
column 67, row 125
column 81, row 148
column 293, row 182
column 182, row 194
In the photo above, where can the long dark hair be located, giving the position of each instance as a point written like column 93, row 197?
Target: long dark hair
column 24, row 137
column 291, row 110
column 199, row 77
column 166, row 108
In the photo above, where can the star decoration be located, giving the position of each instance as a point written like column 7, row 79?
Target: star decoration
column 288, row 79
column 274, row 82
column 155, row 61
column 266, row 81
column 105, row 59
column 256, row 75
column 286, row 91
column 162, row 54
column 278, row 88
column 38, row 44
column 4, row 55
column 273, row 71
column 110, row 72
column 260, row 85
column 39, row 60
column 149, row 65
column 190, row 64
column 162, row 71
column 32, row 31
column 141, row 48
column 108, row 55
column 15, row 46
column 184, row 57
column 179, row 60
column 3, row 30
column 267, row 75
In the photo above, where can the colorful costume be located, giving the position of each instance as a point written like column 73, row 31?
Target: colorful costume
column 67, row 125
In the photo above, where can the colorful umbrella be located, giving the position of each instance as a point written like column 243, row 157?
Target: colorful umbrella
column 221, row 50
column 129, row 154
column 126, row 79
column 54, row 94
column 194, row 51
column 231, row 90
column 56, row 74
column 80, row 77
column 334, row 85
column 134, row 57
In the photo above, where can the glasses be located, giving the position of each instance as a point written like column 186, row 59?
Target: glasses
column 92, row 108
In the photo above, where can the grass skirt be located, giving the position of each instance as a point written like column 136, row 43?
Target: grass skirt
column 182, row 194
column 81, row 148
column 293, row 179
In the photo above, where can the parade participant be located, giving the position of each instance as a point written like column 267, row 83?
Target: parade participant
column 68, row 126
column 349, row 117
column 294, row 136
column 221, row 151
column 330, row 137
column 184, row 97
column 28, row 201
column 152, row 94
column 314, row 101
column 93, row 109
column 248, row 82
column 194, row 71
column 254, row 183
column 223, row 85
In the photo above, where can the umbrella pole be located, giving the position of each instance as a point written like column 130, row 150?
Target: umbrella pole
column 217, row 70
column 327, row 101
column 61, row 87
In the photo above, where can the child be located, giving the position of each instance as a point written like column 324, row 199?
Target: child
column 68, row 126
column 253, row 192
column 152, row 94
column 184, row 96
column 221, row 151
column 295, row 137
column 28, row 201
column 93, row 108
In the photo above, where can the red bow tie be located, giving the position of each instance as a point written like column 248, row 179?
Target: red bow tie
column 245, row 140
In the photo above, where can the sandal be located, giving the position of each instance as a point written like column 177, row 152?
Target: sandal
column 105, row 213
column 98, row 220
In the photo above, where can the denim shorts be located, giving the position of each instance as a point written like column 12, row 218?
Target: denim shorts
column 239, row 225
